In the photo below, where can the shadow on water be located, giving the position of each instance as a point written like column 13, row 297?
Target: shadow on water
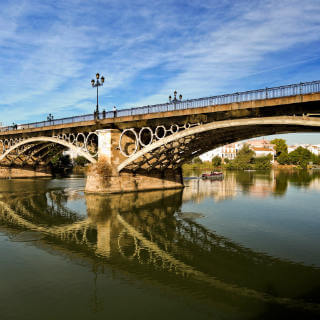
column 143, row 236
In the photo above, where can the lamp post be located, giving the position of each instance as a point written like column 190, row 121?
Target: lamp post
column 96, row 84
column 175, row 100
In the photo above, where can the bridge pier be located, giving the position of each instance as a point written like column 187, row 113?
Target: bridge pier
column 103, row 176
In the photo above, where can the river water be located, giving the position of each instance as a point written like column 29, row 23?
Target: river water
column 242, row 247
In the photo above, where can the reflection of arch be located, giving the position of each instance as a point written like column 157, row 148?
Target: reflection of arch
column 48, row 140
column 184, row 145
column 77, row 233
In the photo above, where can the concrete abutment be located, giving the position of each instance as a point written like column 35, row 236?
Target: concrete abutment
column 103, row 177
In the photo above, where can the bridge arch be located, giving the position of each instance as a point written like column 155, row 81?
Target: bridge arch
column 22, row 146
column 173, row 150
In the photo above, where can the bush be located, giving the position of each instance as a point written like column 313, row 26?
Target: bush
column 263, row 163
column 197, row 160
column 80, row 161
column 301, row 157
column 283, row 158
column 216, row 161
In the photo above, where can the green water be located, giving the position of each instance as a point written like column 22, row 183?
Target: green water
column 245, row 247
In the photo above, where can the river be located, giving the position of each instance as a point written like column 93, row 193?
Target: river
column 242, row 247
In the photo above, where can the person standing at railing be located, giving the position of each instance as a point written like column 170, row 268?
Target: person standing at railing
column 114, row 111
column 104, row 113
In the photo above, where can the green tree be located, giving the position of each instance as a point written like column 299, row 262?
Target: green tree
column 216, row 161
column 301, row 157
column 80, row 161
column 263, row 163
column 197, row 160
column 243, row 160
column 280, row 146
column 283, row 158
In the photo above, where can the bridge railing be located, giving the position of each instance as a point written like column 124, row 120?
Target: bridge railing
column 261, row 94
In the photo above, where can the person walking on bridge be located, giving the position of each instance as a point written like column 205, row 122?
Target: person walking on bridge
column 114, row 111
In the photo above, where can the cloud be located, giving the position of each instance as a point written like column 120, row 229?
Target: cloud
column 50, row 51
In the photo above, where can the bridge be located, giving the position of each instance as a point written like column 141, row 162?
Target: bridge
column 144, row 148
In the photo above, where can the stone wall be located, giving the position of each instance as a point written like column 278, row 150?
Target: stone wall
column 109, row 182
column 10, row 173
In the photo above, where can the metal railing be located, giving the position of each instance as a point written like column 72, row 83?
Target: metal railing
column 267, row 93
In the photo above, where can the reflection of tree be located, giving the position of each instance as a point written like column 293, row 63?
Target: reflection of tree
column 140, row 234
column 298, row 178
column 245, row 180
column 281, row 183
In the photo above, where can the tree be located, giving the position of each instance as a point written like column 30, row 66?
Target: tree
column 216, row 161
column 80, row 161
column 301, row 157
column 197, row 160
column 280, row 146
column 283, row 158
column 243, row 160
column 263, row 163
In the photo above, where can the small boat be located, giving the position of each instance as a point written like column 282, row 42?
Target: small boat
column 212, row 175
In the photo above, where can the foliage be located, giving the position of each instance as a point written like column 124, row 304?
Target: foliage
column 262, row 163
column 216, row 161
column 301, row 157
column 280, row 146
column 283, row 158
column 80, row 161
column 197, row 160
column 61, row 161
column 243, row 160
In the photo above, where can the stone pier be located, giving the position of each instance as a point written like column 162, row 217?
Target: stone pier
column 103, row 177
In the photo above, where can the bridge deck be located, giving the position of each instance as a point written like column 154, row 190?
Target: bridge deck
column 109, row 122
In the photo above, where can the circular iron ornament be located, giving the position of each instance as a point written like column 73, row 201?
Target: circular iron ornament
column 136, row 142
column 187, row 125
column 64, row 137
column 157, row 132
column 1, row 146
column 11, row 142
column 71, row 138
column 86, row 144
column 174, row 128
column 6, row 144
column 120, row 236
column 78, row 141
column 140, row 136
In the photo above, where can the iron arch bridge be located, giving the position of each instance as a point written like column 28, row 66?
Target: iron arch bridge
column 179, row 144
column 40, row 150
column 164, row 136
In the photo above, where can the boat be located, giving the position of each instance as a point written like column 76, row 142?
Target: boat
column 212, row 175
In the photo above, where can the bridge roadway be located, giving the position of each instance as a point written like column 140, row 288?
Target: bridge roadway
column 144, row 148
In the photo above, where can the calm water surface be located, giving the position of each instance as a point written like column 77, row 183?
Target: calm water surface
column 245, row 247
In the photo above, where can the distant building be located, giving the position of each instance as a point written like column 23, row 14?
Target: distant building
column 260, row 143
column 314, row 149
column 263, row 152
column 230, row 151
column 208, row 156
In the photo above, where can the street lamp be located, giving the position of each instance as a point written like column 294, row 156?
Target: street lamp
column 175, row 100
column 96, row 84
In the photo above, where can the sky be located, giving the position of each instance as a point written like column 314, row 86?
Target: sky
column 50, row 50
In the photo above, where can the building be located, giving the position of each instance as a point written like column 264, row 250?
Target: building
column 263, row 152
column 230, row 151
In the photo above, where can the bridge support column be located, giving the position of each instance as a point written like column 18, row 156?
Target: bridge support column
column 103, row 176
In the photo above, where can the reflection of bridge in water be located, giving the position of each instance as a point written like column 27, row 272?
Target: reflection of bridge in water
column 135, row 231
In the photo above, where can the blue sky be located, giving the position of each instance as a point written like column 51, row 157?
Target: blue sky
column 50, row 50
